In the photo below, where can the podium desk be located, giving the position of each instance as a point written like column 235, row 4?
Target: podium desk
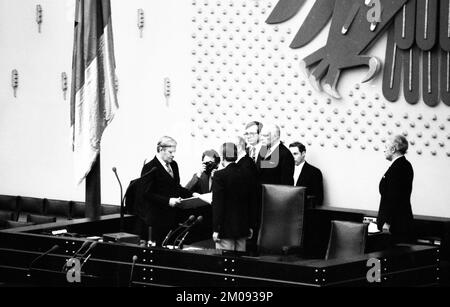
column 110, row 263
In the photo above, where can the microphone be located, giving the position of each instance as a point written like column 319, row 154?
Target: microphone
column 114, row 169
column 53, row 248
column 171, row 232
column 91, row 247
column 76, row 253
column 185, row 232
column 135, row 258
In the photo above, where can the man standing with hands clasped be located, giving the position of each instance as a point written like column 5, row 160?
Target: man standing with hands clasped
column 395, row 214
column 233, row 203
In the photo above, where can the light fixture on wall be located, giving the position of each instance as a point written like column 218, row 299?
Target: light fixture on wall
column 15, row 80
column 167, row 90
column 116, row 83
column 39, row 16
column 140, row 21
column 64, row 84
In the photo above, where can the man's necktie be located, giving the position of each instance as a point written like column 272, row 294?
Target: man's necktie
column 252, row 153
column 169, row 169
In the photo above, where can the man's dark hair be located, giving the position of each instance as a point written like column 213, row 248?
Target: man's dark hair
column 255, row 123
column 299, row 145
column 212, row 154
column 229, row 152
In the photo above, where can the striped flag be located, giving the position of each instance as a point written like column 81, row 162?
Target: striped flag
column 93, row 100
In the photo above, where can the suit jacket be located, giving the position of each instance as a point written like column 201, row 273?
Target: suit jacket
column 199, row 185
column 395, row 205
column 311, row 178
column 233, row 203
column 248, row 165
column 277, row 168
column 160, row 187
column 203, row 230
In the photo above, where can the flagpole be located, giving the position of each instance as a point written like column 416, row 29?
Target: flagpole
column 92, row 193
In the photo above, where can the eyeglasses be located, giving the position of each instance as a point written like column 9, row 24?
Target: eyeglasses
column 250, row 133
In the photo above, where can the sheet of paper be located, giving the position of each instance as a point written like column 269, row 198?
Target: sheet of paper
column 207, row 197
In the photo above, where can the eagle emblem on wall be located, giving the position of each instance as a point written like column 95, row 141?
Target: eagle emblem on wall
column 417, row 50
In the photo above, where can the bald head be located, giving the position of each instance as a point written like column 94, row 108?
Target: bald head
column 270, row 134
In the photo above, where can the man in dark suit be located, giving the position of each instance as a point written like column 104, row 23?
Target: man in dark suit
column 306, row 175
column 233, row 203
column 201, row 182
column 162, row 192
column 275, row 162
column 244, row 161
column 251, row 134
column 395, row 214
column 247, row 165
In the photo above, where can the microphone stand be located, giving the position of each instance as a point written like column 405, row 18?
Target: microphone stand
column 121, row 200
column 182, row 239
column 85, row 243
column 53, row 248
column 171, row 233
column 185, row 232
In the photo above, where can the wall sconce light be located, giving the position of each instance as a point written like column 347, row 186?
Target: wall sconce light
column 140, row 21
column 15, row 80
column 39, row 16
column 64, row 84
column 116, row 83
column 167, row 90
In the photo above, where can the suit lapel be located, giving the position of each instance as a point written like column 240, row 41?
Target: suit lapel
column 164, row 171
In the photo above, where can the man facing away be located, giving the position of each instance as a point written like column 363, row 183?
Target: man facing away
column 395, row 214
column 247, row 165
column 163, row 191
column 232, row 203
column 306, row 175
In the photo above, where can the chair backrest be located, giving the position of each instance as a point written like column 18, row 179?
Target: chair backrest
column 281, row 218
column 347, row 239
column 110, row 209
column 58, row 208
column 8, row 203
column 77, row 210
column 30, row 205
column 14, row 224
column 40, row 219
column 6, row 215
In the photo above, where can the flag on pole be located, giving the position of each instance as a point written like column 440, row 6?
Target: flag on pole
column 93, row 100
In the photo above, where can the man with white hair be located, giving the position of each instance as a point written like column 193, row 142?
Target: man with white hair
column 275, row 162
column 395, row 214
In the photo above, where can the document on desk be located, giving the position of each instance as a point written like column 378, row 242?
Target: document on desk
column 195, row 202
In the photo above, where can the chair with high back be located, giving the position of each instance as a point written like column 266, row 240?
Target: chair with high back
column 281, row 230
column 347, row 239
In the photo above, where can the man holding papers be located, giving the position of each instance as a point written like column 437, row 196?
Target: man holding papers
column 163, row 192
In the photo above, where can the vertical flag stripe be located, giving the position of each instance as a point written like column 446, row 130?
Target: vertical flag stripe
column 93, row 97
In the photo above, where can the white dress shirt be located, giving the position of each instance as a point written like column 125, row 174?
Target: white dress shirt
column 166, row 166
column 298, row 171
